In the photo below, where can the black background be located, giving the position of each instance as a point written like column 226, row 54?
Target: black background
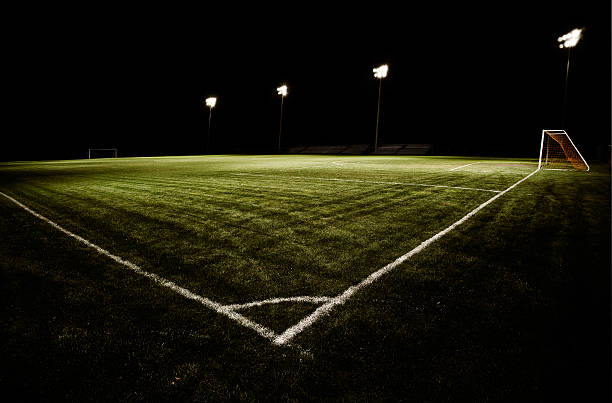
column 472, row 79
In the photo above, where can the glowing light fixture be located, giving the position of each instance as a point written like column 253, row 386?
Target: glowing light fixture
column 210, row 102
column 380, row 72
column 570, row 39
column 282, row 91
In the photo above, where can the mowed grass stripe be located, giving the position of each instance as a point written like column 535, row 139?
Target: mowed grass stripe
column 393, row 172
column 406, row 171
column 288, row 190
column 244, row 199
column 385, row 183
column 289, row 182
column 245, row 206
column 274, row 265
column 225, row 204
column 238, row 241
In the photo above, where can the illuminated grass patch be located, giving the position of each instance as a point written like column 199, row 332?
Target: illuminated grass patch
column 242, row 229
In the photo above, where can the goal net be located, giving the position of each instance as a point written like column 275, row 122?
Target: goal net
column 102, row 153
column 557, row 151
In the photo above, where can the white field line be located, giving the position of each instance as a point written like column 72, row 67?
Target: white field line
column 366, row 181
column 313, row 300
column 496, row 163
column 501, row 162
column 463, row 166
column 215, row 306
column 326, row 308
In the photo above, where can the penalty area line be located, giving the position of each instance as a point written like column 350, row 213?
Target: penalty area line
column 215, row 306
column 327, row 307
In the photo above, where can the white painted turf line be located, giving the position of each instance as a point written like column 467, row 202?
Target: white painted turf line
column 494, row 163
column 215, row 306
column 365, row 181
column 326, row 308
column 312, row 300
column 463, row 166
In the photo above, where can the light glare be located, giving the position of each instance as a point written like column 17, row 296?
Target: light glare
column 282, row 90
column 381, row 71
column 211, row 102
column 570, row 39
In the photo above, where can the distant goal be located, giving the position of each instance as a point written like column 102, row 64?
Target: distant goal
column 101, row 153
column 558, row 152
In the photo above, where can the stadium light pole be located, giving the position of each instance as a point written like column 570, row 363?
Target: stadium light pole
column 380, row 72
column 210, row 102
column 282, row 91
column 568, row 41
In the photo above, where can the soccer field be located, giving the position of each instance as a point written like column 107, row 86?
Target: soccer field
column 293, row 277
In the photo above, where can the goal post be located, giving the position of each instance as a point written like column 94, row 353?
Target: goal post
column 101, row 153
column 557, row 151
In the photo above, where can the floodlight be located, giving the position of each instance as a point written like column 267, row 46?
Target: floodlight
column 381, row 71
column 282, row 90
column 211, row 102
column 570, row 39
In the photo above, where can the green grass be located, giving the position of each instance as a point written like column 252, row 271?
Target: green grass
column 512, row 305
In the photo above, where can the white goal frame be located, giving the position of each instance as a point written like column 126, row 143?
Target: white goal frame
column 114, row 150
column 570, row 140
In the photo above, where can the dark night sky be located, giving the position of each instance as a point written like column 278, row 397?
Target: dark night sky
column 471, row 79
